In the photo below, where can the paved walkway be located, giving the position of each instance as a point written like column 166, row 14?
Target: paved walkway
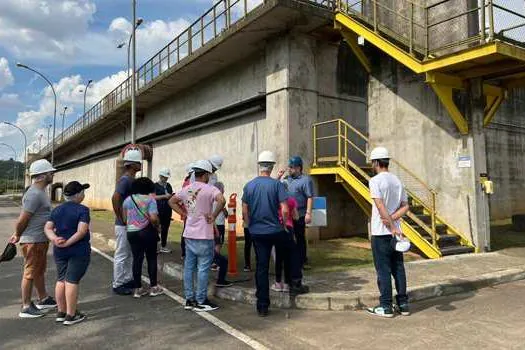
column 356, row 288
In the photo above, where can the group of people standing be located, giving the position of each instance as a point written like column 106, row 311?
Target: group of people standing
column 275, row 212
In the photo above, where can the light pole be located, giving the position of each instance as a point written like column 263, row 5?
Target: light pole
column 48, row 130
column 20, row 65
column 25, row 142
column 133, row 72
column 85, row 92
column 63, row 118
column 121, row 45
column 15, row 175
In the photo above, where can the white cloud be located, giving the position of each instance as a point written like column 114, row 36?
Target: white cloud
column 6, row 77
column 10, row 101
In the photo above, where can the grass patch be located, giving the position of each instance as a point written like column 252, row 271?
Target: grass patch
column 503, row 236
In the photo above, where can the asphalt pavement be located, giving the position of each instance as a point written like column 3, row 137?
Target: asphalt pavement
column 490, row 318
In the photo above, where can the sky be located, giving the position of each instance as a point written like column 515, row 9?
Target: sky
column 71, row 42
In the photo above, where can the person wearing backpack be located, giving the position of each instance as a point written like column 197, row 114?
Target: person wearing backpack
column 142, row 224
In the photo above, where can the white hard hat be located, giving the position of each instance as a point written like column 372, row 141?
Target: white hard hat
column 216, row 161
column 266, row 157
column 133, row 155
column 203, row 165
column 402, row 245
column 189, row 168
column 40, row 166
column 165, row 172
column 379, row 153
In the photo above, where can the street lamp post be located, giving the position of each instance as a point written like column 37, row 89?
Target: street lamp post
column 48, row 131
column 63, row 118
column 20, row 65
column 85, row 92
column 25, row 142
column 133, row 72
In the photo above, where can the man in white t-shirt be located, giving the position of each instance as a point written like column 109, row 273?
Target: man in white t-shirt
column 390, row 204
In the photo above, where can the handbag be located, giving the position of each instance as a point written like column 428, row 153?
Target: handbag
column 145, row 215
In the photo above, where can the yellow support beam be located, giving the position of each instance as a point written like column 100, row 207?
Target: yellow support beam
column 491, row 112
column 351, row 39
column 444, row 94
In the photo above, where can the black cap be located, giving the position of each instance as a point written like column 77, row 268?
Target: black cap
column 9, row 252
column 74, row 187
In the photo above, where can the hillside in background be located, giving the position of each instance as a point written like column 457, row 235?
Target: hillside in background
column 6, row 169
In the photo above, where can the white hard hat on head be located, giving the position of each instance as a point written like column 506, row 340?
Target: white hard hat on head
column 133, row 155
column 202, row 165
column 379, row 153
column 165, row 172
column 189, row 168
column 266, row 157
column 40, row 166
column 216, row 161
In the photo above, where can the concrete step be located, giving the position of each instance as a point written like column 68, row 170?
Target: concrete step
column 455, row 250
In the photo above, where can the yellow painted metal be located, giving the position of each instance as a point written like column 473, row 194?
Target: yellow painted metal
column 351, row 39
column 489, row 115
column 363, row 204
column 444, row 94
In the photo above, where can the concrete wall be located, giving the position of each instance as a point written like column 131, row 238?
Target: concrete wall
column 506, row 157
column 406, row 116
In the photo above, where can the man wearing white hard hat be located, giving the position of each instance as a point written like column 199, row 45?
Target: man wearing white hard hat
column 163, row 192
column 390, row 204
column 216, row 162
column 262, row 199
column 29, row 232
column 197, row 205
column 123, row 260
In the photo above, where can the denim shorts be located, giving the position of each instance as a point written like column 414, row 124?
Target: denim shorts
column 72, row 269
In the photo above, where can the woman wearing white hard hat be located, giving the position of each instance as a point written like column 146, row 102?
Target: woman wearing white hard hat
column 390, row 204
column 163, row 192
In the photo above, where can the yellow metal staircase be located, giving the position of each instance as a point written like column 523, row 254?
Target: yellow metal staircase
column 341, row 150
column 450, row 41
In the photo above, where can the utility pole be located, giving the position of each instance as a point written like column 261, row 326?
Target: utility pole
column 133, row 73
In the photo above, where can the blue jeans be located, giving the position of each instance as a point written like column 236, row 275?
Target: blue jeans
column 389, row 262
column 199, row 256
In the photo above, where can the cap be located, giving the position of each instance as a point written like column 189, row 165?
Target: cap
column 9, row 252
column 74, row 187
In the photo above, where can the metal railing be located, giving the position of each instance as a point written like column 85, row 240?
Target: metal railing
column 442, row 27
column 208, row 27
column 336, row 141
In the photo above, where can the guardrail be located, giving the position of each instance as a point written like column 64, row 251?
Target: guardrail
column 208, row 27
column 442, row 27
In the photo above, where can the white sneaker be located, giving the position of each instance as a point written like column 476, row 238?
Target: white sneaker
column 277, row 287
column 155, row 291
column 140, row 292
column 165, row 250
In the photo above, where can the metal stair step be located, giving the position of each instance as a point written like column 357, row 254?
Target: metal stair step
column 446, row 241
column 454, row 250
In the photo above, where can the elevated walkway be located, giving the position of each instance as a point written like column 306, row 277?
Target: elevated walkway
column 341, row 150
column 450, row 41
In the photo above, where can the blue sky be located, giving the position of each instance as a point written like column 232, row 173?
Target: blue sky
column 72, row 41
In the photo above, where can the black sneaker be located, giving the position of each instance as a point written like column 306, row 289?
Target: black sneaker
column 30, row 312
column 206, row 306
column 71, row 320
column 46, row 303
column 61, row 317
column 262, row 312
column 223, row 284
column 123, row 290
column 381, row 311
column 129, row 285
column 190, row 305
column 297, row 289
column 403, row 309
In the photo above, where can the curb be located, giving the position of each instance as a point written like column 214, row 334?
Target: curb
column 352, row 300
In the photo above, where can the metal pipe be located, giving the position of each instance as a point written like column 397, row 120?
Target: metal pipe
column 482, row 24
column 133, row 78
column 375, row 15
column 55, row 109
column 491, row 19
column 63, row 118
column 315, row 146
column 411, row 46
column 433, row 218
column 339, row 142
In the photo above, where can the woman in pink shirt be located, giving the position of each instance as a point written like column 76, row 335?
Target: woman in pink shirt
column 282, row 256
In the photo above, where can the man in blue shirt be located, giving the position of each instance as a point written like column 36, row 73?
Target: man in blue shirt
column 301, row 187
column 262, row 198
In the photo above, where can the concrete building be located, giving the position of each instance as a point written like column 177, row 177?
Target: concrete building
column 263, row 80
